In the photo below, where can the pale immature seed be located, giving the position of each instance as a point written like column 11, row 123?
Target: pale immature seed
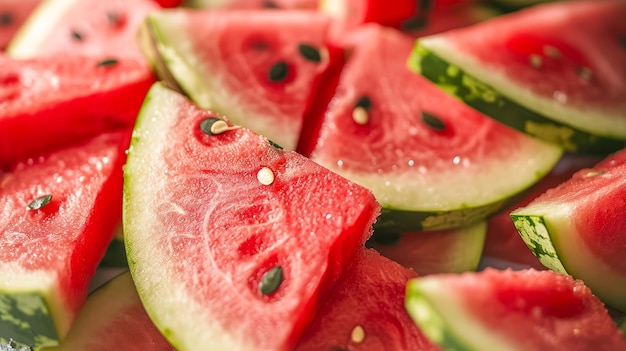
column 360, row 115
column 265, row 176
column 551, row 51
column 358, row 334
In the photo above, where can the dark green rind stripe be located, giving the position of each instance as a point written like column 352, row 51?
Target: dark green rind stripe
column 488, row 101
column 534, row 232
column 430, row 321
column 402, row 220
column 622, row 326
column 25, row 321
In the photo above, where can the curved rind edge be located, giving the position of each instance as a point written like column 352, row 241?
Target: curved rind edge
column 490, row 102
column 534, row 232
column 28, row 319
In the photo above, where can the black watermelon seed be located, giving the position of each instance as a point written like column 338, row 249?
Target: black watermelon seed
column 622, row 40
column 386, row 239
column 113, row 18
column 39, row 202
column 433, row 122
column 108, row 62
column 364, row 102
column 278, row 72
column 270, row 5
column 415, row 23
column 205, row 125
column 274, row 145
column 424, row 4
column 271, row 280
column 77, row 36
column 310, row 53
column 6, row 19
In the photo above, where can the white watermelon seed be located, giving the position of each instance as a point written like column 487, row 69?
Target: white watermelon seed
column 593, row 173
column 535, row 60
column 358, row 334
column 360, row 115
column 265, row 176
column 214, row 126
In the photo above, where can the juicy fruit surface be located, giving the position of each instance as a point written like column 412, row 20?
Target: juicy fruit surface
column 367, row 298
column 97, row 28
column 47, row 102
column 562, row 60
column 515, row 310
column 414, row 146
column 222, row 226
column 68, row 234
column 583, row 220
column 114, row 316
column 253, row 69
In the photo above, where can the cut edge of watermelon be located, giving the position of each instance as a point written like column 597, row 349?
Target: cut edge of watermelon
column 499, row 98
column 44, row 320
column 430, row 306
column 43, row 19
column 549, row 233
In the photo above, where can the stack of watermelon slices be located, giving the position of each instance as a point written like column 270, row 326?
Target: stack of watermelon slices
column 221, row 249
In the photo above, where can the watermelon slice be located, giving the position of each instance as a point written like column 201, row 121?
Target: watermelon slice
column 554, row 71
column 98, row 28
column 232, row 242
column 444, row 251
column 578, row 228
column 114, row 318
column 503, row 240
column 432, row 162
column 51, row 102
column 511, row 310
column 259, row 68
column 13, row 13
column 59, row 213
column 366, row 311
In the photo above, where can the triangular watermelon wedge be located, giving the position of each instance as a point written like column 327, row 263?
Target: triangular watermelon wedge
column 432, row 162
column 554, row 71
column 578, row 226
column 366, row 310
column 259, row 68
column 59, row 212
column 511, row 310
column 232, row 241
column 52, row 102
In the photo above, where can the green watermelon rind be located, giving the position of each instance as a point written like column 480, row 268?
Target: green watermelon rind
column 548, row 231
column 392, row 219
column 27, row 318
column 487, row 100
column 440, row 316
column 622, row 326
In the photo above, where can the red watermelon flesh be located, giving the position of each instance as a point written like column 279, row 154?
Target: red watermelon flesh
column 538, row 310
column 113, row 317
column 221, row 226
column 461, row 162
column 103, row 29
column 567, row 56
column 366, row 311
column 64, row 240
column 50, row 102
column 13, row 13
column 260, row 68
column 503, row 240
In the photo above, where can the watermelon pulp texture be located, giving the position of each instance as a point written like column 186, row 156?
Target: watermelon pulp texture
column 260, row 68
column 114, row 315
column 103, row 29
column 503, row 241
column 421, row 152
column 557, row 68
column 366, row 310
column 51, row 253
column 12, row 14
column 582, row 219
column 52, row 102
column 441, row 251
column 221, row 226
column 512, row 310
